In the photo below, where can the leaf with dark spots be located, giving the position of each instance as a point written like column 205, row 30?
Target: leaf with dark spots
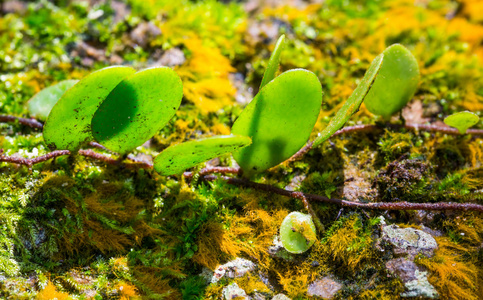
column 77, row 106
column 133, row 111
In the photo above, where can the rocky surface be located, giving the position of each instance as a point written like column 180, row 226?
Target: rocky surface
column 408, row 241
column 233, row 269
column 233, row 291
column 405, row 244
column 325, row 288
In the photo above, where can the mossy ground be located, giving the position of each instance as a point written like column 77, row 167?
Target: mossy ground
column 88, row 230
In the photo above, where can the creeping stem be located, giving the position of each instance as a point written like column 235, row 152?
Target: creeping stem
column 207, row 173
column 344, row 203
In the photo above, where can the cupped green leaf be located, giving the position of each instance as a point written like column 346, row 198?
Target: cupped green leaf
column 273, row 62
column 351, row 106
column 279, row 120
column 395, row 84
column 297, row 232
column 40, row 105
column 462, row 120
column 175, row 159
column 137, row 108
column 68, row 125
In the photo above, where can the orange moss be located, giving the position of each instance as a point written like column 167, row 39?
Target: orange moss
column 50, row 292
column 251, row 284
column 149, row 277
column 213, row 291
column 127, row 291
column 293, row 282
column 349, row 246
column 451, row 273
column 214, row 246
column 205, row 77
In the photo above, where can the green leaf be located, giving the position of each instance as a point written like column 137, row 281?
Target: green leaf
column 40, row 105
column 462, row 120
column 68, row 125
column 351, row 106
column 297, row 232
column 273, row 62
column 279, row 120
column 395, row 84
column 175, row 159
column 137, row 108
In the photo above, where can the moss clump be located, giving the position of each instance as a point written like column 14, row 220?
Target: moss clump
column 452, row 271
column 406, row 180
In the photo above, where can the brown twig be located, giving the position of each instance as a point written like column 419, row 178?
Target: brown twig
column 371, row 128
column 24, row 121
column 345, row 203
column 211, row 170
column 29, row 162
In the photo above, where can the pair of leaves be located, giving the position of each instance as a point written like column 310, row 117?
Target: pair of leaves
column 116, row 106
column 121, row 109
column 273, row 127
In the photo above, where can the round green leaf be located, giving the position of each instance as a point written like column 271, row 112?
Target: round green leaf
column 351, row 106
column 68, row 125
column 279, row 120
column 395, row 84
column 297, row 232
column 40, row 105
column 462, row 120
column 274, row 62
column 137, row 108
column 177, row 158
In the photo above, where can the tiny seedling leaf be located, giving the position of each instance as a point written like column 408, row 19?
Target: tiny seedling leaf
column 279, row 120
column 462, row 120
column 137, row 108
column 40, row 105
column 175, row 159
column 297, row 232
column 273, row 62
column 395, row 84
column 68, row 125
column 351, row 106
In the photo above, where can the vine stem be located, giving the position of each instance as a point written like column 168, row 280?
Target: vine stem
column 344, row 203
column 371, row 128
column 206, row 173
column 29, row 162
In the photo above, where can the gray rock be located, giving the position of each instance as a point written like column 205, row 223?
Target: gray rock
column 420, row 287
column 207, row 274
column 278, row 251
column 408, row 241
column 324, row 288
column 403, row 268
column 280, row 297
column 144, row 33
column 235, row 268
column 233, row 291
column 172, row 57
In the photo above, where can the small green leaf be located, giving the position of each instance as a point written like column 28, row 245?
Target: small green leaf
column 395, row 84
column 297, row 232
column 351, row 106
column 69, row 122
column 274, row 62
column 137, row 108
column 40, row 105
column 462, row 120
column 279, row 120
column 175, row 159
